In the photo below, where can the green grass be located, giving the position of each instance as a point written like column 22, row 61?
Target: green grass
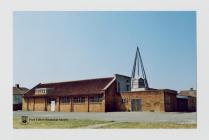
column 48, row 124
column 149, row 125
column 73, row 123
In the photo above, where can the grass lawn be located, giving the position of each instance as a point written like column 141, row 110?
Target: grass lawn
column 73, row 123
column 55, row 124
column 148, row 125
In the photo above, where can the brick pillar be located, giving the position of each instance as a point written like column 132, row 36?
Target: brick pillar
column 88, row 102
column 71, row 104
column 45, row 104
column 27, row 104
column 104, row 102
column 33, row 104
column 57, row 104
column 24, row 103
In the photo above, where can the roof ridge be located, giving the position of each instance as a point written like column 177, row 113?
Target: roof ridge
column 76, row 80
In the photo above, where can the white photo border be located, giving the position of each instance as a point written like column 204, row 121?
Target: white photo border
column 6, row 71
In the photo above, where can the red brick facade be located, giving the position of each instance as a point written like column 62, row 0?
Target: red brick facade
column 96, row 95
column 150, row 100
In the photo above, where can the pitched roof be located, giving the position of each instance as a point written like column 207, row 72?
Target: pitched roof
column 19, row 90
column 80, row 87
column 192, row 93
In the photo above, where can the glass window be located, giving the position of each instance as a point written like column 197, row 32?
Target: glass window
column 65, row 99
column 41, row 90
column 94, row 99
column 78, row 99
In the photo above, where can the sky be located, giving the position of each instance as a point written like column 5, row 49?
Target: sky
column 65, row 46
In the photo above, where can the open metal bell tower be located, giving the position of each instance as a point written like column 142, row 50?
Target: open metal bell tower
column 138, row 77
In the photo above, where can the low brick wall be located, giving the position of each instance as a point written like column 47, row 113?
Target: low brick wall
column 66, row 107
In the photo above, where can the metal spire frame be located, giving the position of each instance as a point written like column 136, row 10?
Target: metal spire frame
column 136, row 65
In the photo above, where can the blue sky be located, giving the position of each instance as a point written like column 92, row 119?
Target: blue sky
column 64, row 46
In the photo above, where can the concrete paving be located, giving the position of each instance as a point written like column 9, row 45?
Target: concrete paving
column 174, row 117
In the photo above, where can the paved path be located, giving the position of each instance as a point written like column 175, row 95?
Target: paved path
column 96, row 125
column 116, row 116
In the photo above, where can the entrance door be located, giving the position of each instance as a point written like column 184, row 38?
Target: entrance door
column 53, row 105
column 136, row 105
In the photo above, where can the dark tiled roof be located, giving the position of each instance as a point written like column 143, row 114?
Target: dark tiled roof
column 81, row 87
column 19, row 90
column 192, row 93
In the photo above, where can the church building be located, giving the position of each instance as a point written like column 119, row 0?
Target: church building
column 116, row 93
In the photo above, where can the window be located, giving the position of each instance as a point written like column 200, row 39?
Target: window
column 79, row 99
column 17, row 99
column 123, row 101
column 41, row 91
column 95, row 99
column 65, row 100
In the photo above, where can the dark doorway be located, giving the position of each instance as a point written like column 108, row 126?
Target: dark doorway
column 135, row 104
column 182, row 105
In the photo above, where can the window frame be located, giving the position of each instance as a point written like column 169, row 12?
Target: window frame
column 81, row 99
column 65, row 100
column 95, row 99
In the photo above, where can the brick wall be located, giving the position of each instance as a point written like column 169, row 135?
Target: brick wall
column 191, row 104
column 170, row 102
column 41, row 104
column 24, row 104
column 30, row 104
column 150, row 100
column 97, row 107
column 110, row 98
column 65, row 107
column 81, row 107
